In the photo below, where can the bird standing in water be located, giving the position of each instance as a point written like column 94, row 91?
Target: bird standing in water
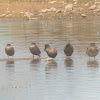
column 68, row 50
column 34, row 49
column 9, row 50
column 92, row 50
column 51, row 52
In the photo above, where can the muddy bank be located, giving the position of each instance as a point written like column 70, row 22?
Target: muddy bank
column 48, row 10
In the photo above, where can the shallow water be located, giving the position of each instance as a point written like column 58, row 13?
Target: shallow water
column 74, row 78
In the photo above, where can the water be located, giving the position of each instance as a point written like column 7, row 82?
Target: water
column 75, row 78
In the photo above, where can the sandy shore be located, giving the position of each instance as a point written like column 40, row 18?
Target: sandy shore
column 21, row 59
column 48, row 10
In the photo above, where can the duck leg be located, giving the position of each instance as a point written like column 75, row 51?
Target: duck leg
column 94, row 58
column 89, row 58
column 39, row 56
column 12, row 57
column 66, row 57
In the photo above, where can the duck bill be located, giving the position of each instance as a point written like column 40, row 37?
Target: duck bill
column 45, row 49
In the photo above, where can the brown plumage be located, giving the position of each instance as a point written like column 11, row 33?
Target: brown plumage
column 9, row 50
column 92, row 50
column 68, row 50
column 51, row 52
column 34, row 49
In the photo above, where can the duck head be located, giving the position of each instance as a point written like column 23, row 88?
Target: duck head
column 68, row 45
column 33, row 43
column 46, row 46
column 92, row 44
column 8, row 44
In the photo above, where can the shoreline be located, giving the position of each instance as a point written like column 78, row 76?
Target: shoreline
column 68, row 17
column 53, row 10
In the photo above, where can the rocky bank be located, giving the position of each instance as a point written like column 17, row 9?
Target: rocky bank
column 48, row 10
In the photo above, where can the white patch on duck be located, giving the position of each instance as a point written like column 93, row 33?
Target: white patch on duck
column 49, row 59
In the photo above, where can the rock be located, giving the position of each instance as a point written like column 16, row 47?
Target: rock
column 83, row 15
column 3, row 15
column 98, row 7
column 92, row 7
column 33, row 18
column 87, row 4
column 45, row 10
column 41, row 15
column 74, row 0
column 28, row 14
column 21, row 12
column 97, row 3
column 53, row 9
column 9, row 15
column 69, row 7
column 59, row 11
column 75, row 3
column 96, row 10
column 52, row 2
column 62, row 2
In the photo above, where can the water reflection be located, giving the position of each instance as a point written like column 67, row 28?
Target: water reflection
column 51, row 64
column 34, row 64
column 10, row 68
column 10, row 63
column 34, row 61
column 51, row 69
column 68, row 62
column 93, row 63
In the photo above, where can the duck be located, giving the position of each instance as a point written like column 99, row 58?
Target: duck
column 9, row 50
column 92, row 50
column 51, row 52
column 68, row 49
column 34, row 49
